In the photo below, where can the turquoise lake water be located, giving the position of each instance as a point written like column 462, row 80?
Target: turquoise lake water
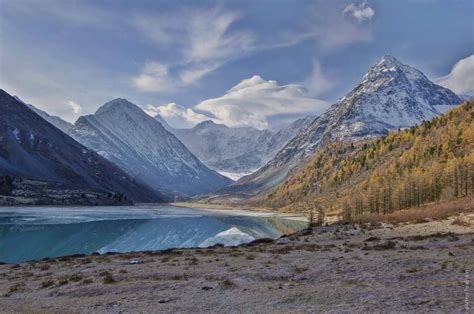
column 34, row 233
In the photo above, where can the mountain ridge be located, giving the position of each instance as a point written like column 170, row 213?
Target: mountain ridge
column 235, row 151
column 430, row 162
column 31, row 147
column 123, row 133
column 391, row 95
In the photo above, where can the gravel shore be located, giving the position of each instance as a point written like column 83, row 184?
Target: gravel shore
column 424, row 267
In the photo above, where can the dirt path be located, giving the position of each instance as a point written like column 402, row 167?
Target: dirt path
column 420, row 267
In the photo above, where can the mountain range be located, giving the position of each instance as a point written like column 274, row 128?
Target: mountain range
column 124, row 134
column 145, row 153
column 430, row 162
column 390, row 96
column 33, row 148
column 234, row 151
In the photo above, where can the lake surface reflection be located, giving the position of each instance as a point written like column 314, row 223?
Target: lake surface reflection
column 38, row 232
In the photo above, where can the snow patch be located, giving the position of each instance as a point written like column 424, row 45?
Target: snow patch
column 17, row 134
column 235, row 175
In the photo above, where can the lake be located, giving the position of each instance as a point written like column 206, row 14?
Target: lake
column 34, row 233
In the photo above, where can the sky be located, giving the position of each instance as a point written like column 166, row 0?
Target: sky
column 261, row 63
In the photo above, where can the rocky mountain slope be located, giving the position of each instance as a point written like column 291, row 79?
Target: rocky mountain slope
column 123, row 133
column 234, row 151
column 391, row 95
column 54, row 120
column 32, row 148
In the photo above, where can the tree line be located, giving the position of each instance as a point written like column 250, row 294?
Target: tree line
column 429, row 162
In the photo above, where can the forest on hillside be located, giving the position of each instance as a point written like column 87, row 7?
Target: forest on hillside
column 430, row 162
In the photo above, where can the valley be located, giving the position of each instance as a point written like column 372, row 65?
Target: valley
column 236, row 156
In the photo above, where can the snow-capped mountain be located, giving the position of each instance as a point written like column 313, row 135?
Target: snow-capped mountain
column 123, row 133
column 226, row 149
column 234, row 152
column 391, row 95
column 54, row 120
column 32, row 148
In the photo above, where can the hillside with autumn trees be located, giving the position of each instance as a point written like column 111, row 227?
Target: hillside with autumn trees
column 430, row 162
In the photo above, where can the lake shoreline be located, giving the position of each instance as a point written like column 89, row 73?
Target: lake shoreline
column 242, row 210
column 378, row 268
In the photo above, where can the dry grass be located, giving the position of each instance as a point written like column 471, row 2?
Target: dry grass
column 420, row 214
column 461, row 222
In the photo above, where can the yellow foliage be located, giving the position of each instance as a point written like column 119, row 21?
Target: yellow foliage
column 429, row 162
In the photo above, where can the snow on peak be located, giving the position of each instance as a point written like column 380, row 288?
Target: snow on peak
column 391, row 95
column 389, row 65
column 117, row 104
column 142, row 146
column 389, row 59
column 207, row 123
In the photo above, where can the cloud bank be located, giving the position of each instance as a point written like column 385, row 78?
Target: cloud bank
column 249, row 103
column 177, row 116
column 461, row 78
column 203, row 41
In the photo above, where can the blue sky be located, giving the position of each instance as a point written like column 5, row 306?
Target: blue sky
column 260, row 63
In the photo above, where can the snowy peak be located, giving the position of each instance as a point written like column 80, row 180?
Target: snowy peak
column 30, row 147
column 391, row 95
column 236, row 152
column 390, row 71
column 123, row 133
column 123, row 112
column 118, row 105
column 208, row 124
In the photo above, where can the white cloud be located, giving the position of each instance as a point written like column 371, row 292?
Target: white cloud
column 205, row 40
column 202, row 42
column 154, row 77
column 254, row 100
column 177, row 116
column 317, row 81
column 461, row 78
column 360, row 12
column 76, row 108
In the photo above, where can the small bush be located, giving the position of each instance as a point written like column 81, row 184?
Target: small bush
column 108, row 278
column 19, row 287
column 389, row 245
column 179, row 277
column 63, row 281
column 47, row 283
column 226, row 284
column 75, row 277
column 299, row 270
column 370, row 239
column 45, row 267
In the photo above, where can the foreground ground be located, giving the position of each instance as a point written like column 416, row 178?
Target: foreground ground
column 425, row 266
